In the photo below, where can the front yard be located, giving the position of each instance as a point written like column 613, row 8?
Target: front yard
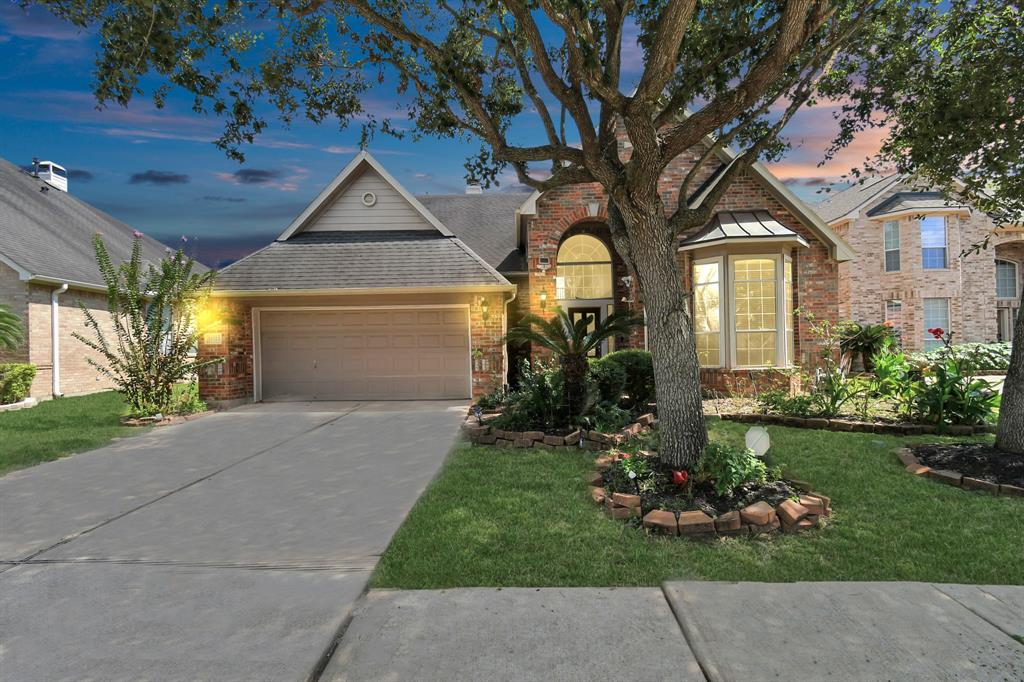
column 525, row 518
column 56, row 428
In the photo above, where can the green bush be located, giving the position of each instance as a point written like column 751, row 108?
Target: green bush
column 538, row 403
column 608, row 380
column 781, row 402
column 639, row 375
column 188, row 401
column 728, row 467
column 15, row 382
column 973, row 357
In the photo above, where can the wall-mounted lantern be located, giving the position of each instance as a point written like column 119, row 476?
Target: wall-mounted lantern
column 543, row 300
column 485, row 308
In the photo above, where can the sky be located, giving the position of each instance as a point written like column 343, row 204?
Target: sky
column 158, row 171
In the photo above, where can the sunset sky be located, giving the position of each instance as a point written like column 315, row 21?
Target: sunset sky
column 158, row 171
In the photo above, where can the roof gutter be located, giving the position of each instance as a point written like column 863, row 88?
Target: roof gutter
column 242, row 293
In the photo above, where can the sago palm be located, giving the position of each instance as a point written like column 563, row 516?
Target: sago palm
column 571, row 342
column 11, row 331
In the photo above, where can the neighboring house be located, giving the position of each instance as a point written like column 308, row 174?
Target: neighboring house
column 910, row 268
column 372, row 293
column 48, row 267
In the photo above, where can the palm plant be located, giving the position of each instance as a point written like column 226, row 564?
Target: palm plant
column 571, row 342
column 11, row 331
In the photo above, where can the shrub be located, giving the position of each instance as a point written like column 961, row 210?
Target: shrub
column 639, row 370
column 608, row 379
column 863, row 340
column 781, row 402
column 188, row 401
column 606, row 418
column 728, row 467
column 12, row 332
column 494, row 399
column 974, row 357
column 15, row 382
column 538, row 403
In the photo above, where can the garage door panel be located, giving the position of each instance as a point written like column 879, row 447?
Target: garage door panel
column 365, row 354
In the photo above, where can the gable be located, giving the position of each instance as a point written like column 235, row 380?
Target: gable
column 364, row 197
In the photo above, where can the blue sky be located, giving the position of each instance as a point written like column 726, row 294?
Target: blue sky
column 157, row 170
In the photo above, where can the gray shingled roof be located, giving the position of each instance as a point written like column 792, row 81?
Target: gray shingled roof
column 359, row 260
column 486, row 222
column 842, row 202
column 49, row 234
column 742, row 225
column 913, row 201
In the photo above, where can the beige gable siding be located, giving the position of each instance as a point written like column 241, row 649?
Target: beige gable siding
column 346, row 211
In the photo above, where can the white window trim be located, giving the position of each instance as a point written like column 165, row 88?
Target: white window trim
column 780, row 305
column 1016, row 280
column 898, row 249
column 722, row 305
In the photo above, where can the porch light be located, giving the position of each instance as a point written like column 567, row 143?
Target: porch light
column 543, row 300
column 485, row 308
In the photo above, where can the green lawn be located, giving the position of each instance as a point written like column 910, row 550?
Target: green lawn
column 524, row 518
column 57, row 428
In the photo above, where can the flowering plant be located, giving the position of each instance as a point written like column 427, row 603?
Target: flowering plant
column 680, row 477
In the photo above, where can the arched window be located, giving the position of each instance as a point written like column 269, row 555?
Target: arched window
column 584, row 269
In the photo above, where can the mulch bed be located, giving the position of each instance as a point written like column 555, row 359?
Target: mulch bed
column 977, row 460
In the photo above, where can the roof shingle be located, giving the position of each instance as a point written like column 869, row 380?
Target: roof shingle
column 370, row 259
column 486, row 222
column 851, row 198
column 49, row 233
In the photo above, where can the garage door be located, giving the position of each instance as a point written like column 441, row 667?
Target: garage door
column 371, row 354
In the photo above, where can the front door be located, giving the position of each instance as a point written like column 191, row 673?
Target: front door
column 595, row 314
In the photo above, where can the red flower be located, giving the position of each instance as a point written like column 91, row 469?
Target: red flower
column 680, row 477
column 626, row 455
column 937, row 332
column 889, row 323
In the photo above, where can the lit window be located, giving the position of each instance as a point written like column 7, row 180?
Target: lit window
column 936, row 314
column 754, row 296
column 1006, row 279
column 707, row 311
column 584, row 269
column 933, row 243
column 892, row 246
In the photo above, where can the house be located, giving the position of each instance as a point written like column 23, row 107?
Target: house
column 373, row 293
column 911, row 269
column 48, row 269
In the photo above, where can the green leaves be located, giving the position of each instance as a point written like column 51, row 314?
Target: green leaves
column 11, row 331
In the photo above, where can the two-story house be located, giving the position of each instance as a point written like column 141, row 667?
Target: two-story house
column 914, row 267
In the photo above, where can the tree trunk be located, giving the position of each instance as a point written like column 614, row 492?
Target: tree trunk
column 652, row 254
column 1011, row 410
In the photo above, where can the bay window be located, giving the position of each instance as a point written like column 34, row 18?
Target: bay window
column 757, row 308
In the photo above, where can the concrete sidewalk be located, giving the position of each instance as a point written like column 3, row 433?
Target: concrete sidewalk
column 734, row 632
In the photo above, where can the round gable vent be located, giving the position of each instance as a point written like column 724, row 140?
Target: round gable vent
column 369, row 199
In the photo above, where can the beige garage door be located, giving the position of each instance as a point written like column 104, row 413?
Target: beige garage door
column 397, row 354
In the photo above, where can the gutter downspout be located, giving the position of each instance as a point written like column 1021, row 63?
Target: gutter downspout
column 504, row 332
column 55, row 339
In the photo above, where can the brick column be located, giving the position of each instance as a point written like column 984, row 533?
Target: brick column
column 229, row 336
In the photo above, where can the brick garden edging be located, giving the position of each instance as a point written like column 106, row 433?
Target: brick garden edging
column 756, row 519
column 169, row 420
column 483, row 434
column 858, row 426
column 954, row 478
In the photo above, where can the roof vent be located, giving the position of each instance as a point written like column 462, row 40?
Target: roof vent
column 52, row 174
column 474, row 188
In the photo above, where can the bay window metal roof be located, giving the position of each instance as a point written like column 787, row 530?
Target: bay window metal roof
column 730, row 227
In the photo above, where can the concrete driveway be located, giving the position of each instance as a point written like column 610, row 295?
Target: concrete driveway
column 232, row 547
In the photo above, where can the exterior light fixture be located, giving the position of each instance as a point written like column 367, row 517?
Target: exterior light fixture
column 485, row 308
column 543, row 300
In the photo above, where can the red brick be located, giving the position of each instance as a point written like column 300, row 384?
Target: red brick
column 728, row 521
column 945, row 476
column 906, row 456
column 813, row 504
column 662, row 521
column 790, row 512
column 597, row 494
column 918, row 469
column 695, row 523
column 626, row 500
column 595, row 479
column 979, row 484
column 620, row 512
column 758, row 514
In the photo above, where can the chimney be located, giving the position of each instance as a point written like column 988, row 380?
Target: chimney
column 51, row 173
column 474, row 188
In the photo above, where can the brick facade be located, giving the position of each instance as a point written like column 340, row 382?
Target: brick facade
column 32, row 303
column 569, row 210
column 968, row 281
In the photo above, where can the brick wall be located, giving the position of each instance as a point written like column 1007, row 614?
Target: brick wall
column 562, row 211
column 230, row 380
column 968, row 281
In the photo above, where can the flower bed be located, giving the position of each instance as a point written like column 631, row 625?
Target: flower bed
column 169, row 420
column 778, row 510
column 939, row 454
column 480, row 433
column 889, row 428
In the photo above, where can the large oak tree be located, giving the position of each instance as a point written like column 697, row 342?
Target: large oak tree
column 732, row 71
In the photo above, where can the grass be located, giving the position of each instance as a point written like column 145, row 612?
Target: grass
column 524, row 518
column 57, row 428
